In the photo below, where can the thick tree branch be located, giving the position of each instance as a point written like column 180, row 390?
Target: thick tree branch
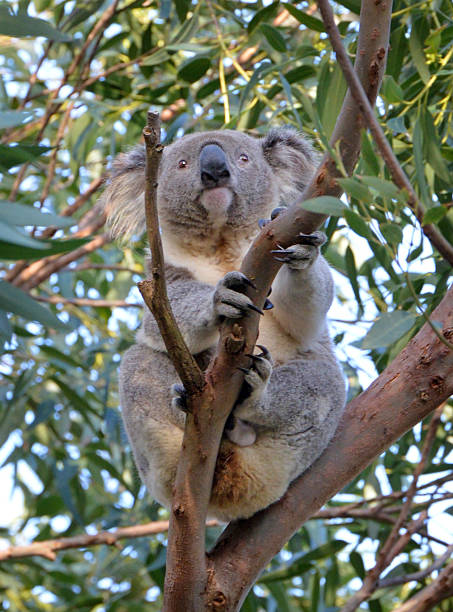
column 366, row 109
column 204, row 427
column 411, row 387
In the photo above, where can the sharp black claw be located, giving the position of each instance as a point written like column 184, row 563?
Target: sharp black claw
column 245, row 370
column 248, row 282
column 269, row 292
column 283, row 251
column 268, row 305
column 316, row 239
column 277, row 211
column 262, row 223
column 264, row 350
column 255, row 308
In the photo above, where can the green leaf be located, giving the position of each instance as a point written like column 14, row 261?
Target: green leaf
column 434, row 215
column 326, row 205
column 273, row 37
column 352, row 275
column 416, row 49
column 359, row 225
column 382, row 186
column 11, row 156
column 355, row 559
column 23, row 26
column 193, row 69
column 432, row 147
column 307, row 20
column 11, row 251
column 20, row 214
column 20, row 303
column 263, row 14
column 356, row 189
column 9, row 233
column 392, row 233
column 391, row 91
column 388, row 328
column 12, row 118
column 157, row 58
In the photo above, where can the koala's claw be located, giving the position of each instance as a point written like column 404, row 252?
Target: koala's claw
column 302, row 254
column 268, row 305
column 230, row 300
column 249, row 306
column 178, row 394
column 315, row 239
column 274, row 214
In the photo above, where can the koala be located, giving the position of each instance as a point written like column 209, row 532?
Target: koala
column 214, row 188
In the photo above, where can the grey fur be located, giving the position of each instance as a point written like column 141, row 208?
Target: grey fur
column 291, row 402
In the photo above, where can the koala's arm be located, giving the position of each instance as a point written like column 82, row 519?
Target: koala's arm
column 303, row 291
column 192, row 305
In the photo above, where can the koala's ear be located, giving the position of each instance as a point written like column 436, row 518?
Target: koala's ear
column 292, row 159
column 122, row 199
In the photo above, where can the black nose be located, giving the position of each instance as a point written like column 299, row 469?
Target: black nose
column 213, row 166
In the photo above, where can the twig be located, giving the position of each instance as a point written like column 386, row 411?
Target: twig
column 59, row 299
column 416, row 576
column 48, row 548
column 397, row 173
column 440, row 589
column 154, row 291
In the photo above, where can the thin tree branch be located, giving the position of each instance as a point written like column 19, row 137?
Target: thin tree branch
column 49, row 548
column 439, row 590
column 154, row 291
column 366, row 109
column 59, row 299
column 417, row 576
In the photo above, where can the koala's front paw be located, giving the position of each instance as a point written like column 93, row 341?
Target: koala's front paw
column 230, row 302
column 301, row 255
column 256, row 378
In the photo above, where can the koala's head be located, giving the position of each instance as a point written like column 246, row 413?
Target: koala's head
column 212, row 180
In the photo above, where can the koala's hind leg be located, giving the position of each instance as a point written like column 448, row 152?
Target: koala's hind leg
column 154, row 426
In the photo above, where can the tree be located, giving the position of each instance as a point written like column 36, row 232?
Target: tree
column 80, row 96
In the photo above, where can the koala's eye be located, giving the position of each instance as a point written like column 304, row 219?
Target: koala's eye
column 244, row 157
column 182, row 163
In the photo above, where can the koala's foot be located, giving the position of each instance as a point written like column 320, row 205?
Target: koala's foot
column 178, row 396
column 240, row 432
column 256, row 378
column 301, row 255
column 230, row 302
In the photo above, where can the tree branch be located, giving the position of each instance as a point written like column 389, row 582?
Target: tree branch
column 366, row 109
column 186, row 566
column 48, row 548
column 154, row 291
column 440, row 589
column 411, row 387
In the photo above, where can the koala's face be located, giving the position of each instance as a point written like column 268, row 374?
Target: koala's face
column 214, row 179
column 210, row 182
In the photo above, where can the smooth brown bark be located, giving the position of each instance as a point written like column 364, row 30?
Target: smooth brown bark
column 186, row 585
column 412, row 386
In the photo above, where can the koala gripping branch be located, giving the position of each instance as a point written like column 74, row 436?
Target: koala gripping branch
column 154, row 291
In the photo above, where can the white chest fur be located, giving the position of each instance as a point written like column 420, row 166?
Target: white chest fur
column 210, row 270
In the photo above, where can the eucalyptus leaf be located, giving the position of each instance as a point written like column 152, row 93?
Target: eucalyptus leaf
column 388, row 328
column 326, row 205
column 20, row 214
column 18, row 302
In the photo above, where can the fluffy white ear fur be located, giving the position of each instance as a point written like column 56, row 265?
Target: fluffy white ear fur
column 292, row 159
column 123, row 199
